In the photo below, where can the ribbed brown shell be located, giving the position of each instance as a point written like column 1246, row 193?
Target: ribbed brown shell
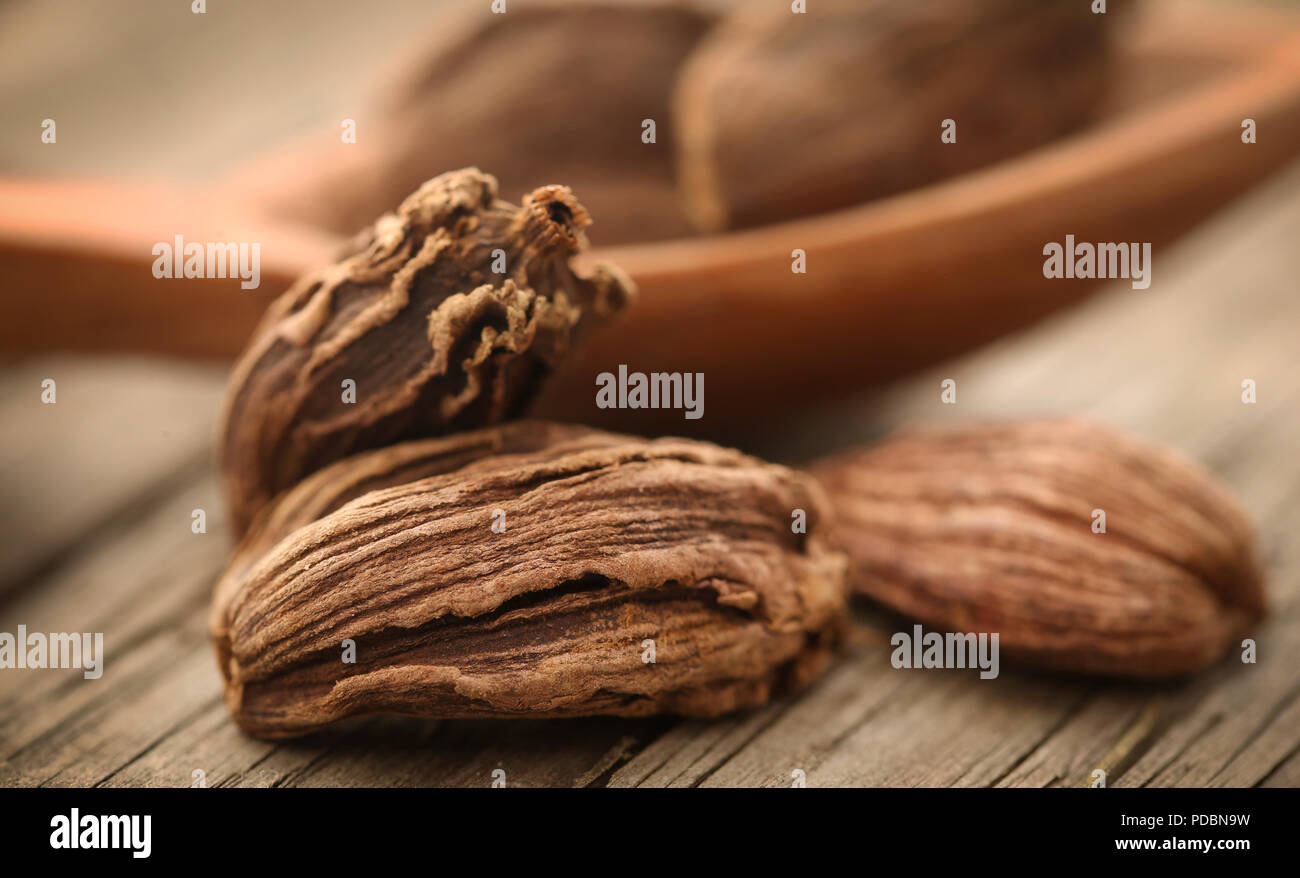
column 549, row 91
column 989, row 528
column 781, row 115
column 415, row 315
column 610, row 540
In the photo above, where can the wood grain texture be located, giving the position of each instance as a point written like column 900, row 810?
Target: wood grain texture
column 119, row 434
column 1166, row 363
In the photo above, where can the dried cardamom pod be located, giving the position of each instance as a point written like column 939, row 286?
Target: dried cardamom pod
column 626, row 577
column 1083, row 549
column 549, row 91
column 444, row 316
column 782, row 115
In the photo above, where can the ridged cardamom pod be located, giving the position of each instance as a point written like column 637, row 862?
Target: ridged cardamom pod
column 445, row 316
column 529, row 570
column 1083, row 549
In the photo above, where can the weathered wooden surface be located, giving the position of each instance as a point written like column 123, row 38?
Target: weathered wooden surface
column 99, row 489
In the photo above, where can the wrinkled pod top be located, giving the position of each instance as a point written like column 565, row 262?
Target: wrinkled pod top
column 445, row 315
